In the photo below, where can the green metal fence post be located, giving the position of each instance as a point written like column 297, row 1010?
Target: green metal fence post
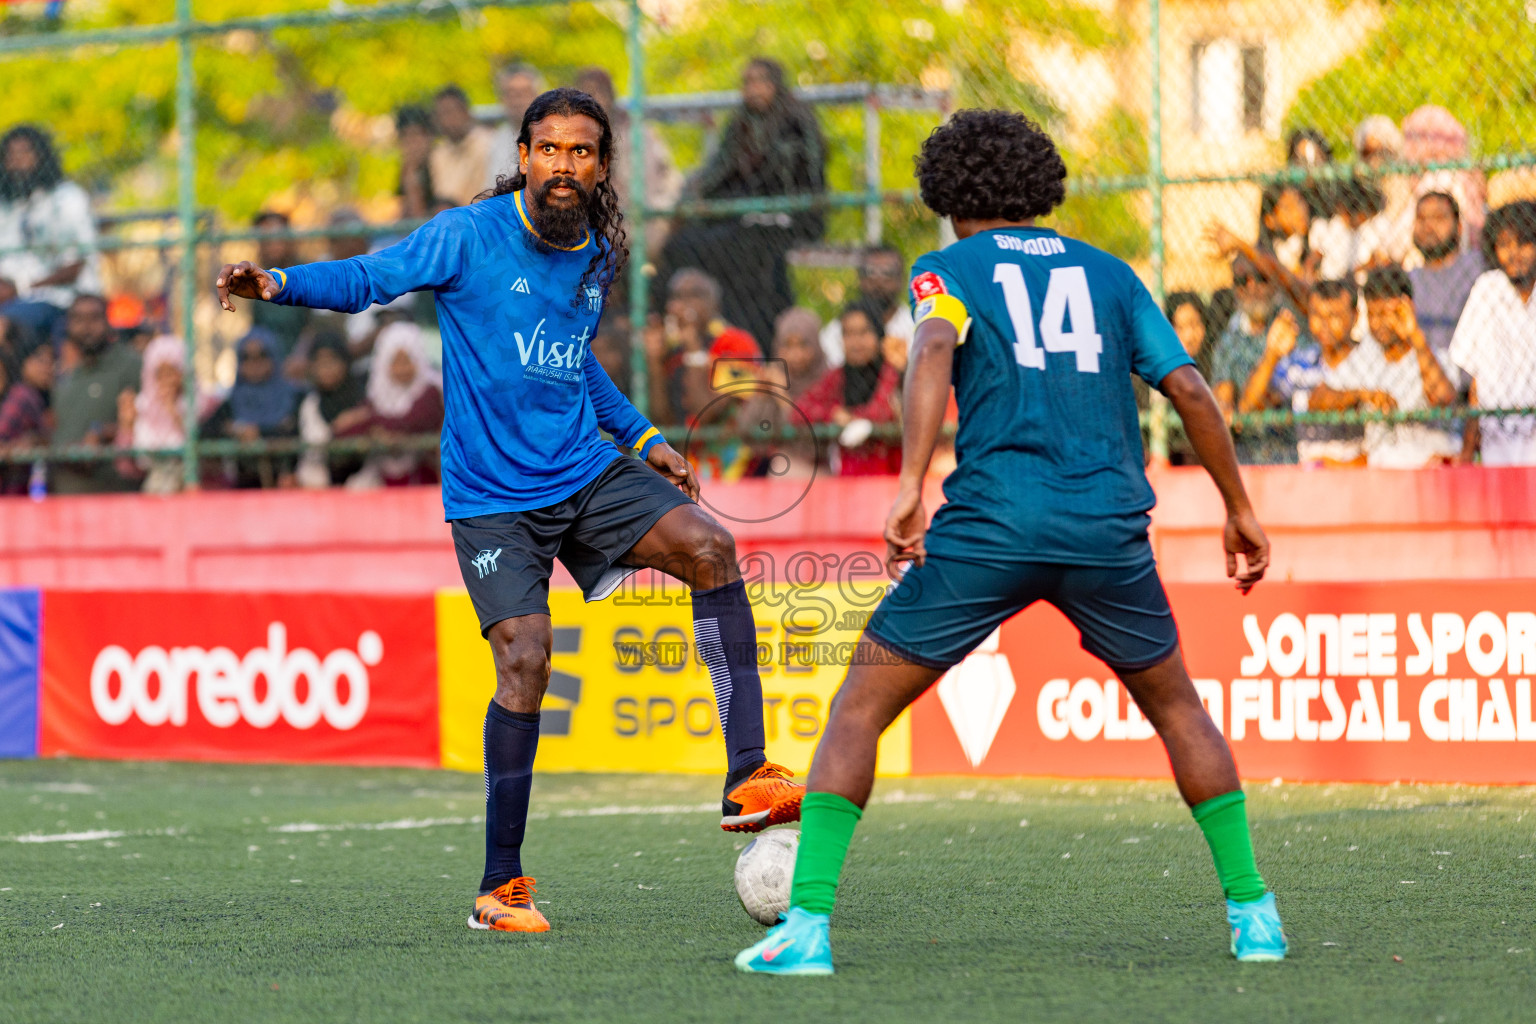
column 186, row 203
column 639, row 373
column 873, row 226
column 1159, row 404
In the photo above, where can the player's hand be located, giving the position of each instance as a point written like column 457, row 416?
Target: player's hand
column 1243, row 536
column 904, row 530
column 246, row 280
column 665, row 460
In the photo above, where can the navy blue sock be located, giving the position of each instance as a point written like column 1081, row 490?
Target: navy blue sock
column 726, row 638
column 511, row 740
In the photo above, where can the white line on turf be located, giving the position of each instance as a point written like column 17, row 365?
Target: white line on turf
column 90, row 836
column 380, row 826
column 69, row 837
column 605, row 811
column 612, row 810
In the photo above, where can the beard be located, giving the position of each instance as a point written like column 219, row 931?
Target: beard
column 18, row 185
column 94, row 346
column 561, row 225
column 1438, row 250
column 1525, row 279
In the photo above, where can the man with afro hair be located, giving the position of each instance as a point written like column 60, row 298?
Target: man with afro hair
column 1040, row 335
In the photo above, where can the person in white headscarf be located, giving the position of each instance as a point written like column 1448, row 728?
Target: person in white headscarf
column 156, row 416
column 1433, row 135
column 405, row 397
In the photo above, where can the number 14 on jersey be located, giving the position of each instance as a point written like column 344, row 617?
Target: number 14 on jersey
column 1066, row 295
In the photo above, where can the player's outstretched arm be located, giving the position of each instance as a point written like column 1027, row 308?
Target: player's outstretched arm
column 431, row 257
column 1207, row 433
column 926, row 396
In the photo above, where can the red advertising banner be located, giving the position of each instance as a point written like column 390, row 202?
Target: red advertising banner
column 1309, row 682
column 240, row 677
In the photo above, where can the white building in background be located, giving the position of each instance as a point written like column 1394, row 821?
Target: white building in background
column 1230, row 70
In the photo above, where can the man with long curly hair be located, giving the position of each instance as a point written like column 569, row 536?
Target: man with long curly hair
column 1048, row 502
column 520, row 278
column 46, row 222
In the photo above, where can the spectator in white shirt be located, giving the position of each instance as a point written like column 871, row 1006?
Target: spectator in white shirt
column 49, row 217
column 1379, row 142
column 1495, row 340
column 882, row 284
column 1393, row 370
column 517, row 86
column 1355, row 236
column 462, row 154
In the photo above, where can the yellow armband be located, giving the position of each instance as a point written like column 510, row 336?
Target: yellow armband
column 947, row 308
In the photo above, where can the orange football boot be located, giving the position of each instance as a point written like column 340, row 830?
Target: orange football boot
column 508, row 908
column 766, row 798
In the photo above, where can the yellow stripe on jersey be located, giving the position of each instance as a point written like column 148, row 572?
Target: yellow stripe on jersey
column 948, row 308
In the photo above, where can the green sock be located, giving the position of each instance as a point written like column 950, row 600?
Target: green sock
column 827, row 822
column 1224, row 820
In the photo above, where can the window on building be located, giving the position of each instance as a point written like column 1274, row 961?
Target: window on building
column 1229, row 88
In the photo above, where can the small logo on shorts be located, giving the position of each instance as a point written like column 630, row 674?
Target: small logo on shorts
column 485, row 562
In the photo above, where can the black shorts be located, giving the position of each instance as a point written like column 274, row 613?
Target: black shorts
column 944, row 608
column 506, row 557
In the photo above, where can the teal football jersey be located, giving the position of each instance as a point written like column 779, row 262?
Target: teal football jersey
column 1048, row 451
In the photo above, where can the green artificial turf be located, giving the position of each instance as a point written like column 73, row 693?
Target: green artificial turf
column 963, row 900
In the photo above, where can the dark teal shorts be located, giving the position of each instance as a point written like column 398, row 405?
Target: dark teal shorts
column 944, row 608
column 506, row 557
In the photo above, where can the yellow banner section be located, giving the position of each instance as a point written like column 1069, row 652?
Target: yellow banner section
column 628, row 692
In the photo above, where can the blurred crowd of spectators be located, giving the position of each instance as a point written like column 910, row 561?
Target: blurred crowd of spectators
column 75, row 374
column 78, row 372
column 1358, row 289
column 1377, row 292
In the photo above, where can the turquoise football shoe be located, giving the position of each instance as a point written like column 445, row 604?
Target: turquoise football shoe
column 1256, row 934
column 797, row 945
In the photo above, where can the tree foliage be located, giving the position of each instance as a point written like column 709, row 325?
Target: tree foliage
column 1473, row 57
column 310, row 108
column 279, row 110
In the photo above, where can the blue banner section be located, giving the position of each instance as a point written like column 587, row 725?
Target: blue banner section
column 20, row 661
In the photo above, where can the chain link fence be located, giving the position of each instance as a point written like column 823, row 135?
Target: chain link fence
column 1241, row 158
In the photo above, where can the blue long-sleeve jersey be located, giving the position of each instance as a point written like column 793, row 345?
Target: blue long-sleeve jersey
column 523, row 399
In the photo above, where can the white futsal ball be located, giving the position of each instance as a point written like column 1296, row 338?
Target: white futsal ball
column 764, row 872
